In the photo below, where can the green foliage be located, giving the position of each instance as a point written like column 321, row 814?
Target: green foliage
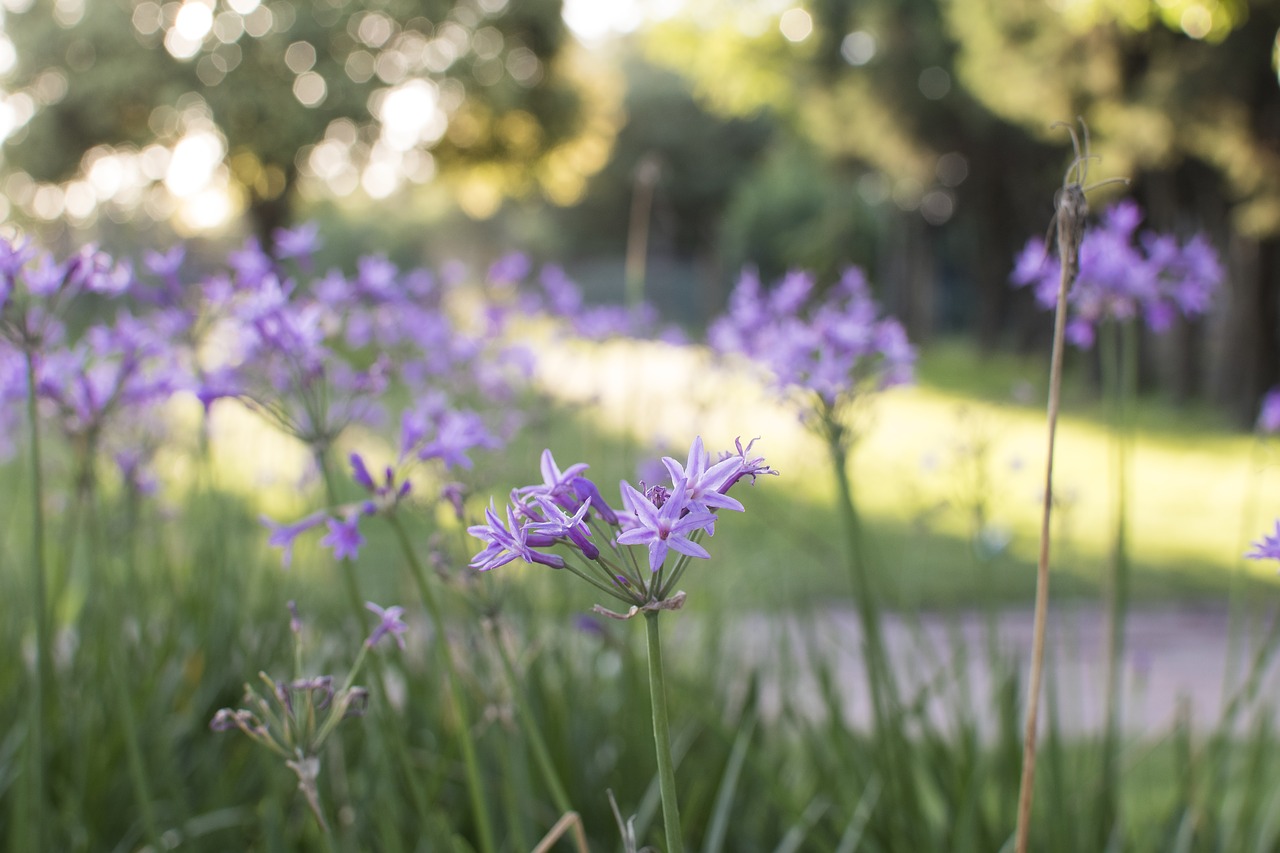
column 701, row 159
column 791, row 214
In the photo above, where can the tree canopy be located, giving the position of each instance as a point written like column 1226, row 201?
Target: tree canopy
column 255, row 96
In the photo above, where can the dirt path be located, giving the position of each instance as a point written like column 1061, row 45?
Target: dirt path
column 1178, row 662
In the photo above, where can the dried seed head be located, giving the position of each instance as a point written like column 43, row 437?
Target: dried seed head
column 1072, row 208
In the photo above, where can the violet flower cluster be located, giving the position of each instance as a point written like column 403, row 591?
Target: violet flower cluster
column 100, row 387
column 553, row 293
column 1125, row 274
column 428, row 431
column 635, row 553
column 834, row 345
column 317, row 355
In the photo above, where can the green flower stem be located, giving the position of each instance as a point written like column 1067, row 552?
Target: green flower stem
column 880, row 677
column 479, row 805
column 357, row 605
column 354, row 599
column 662, row 736
column 133, row 753
column 541, row 754
column 1118, row 345
column 43, row 671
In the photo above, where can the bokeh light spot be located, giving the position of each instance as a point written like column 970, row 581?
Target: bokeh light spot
column 300, row 57
column 147, row 18
column 192, row 164
column 194, row 21
column 310, row 89
column 935, row 83
column 796, row 25
column 359, row 66
column 952, row 169
column 1196, row 21
column 858, row 48
column 937, row 207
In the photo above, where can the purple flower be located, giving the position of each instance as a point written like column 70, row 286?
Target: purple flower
column 564, row 297
column 705, row 483
column 1268, row 548
column 344, row 537
column 457, row 432
column 835, row 348
column 300, row 243
column 250, row 264
column 556, row 484
column 389, row 622
column 748, row 466
column 510, row 269
column 360, row 473
column 668, row 527
column 506, row 543
column 376, row 276
column 1269, row 416
column 556, row 523
column 1124, row 274
column 283, row 535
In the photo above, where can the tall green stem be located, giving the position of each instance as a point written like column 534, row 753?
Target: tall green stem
column 880, row 677
column 1118, row 351
column 43, row 670
column 863, row 591
column 529, row 726
column 357, row 606
column 662, row 736
column 479, row 804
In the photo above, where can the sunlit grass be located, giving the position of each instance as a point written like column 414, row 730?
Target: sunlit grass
column 913, row 471
column 969, row 435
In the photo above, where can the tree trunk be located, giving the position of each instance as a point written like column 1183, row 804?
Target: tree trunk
column 1250, row 356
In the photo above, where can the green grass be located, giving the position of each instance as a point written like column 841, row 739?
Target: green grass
column 166, row 620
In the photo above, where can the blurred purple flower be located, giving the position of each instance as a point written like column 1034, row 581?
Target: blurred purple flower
column 1267, row 548
column 344, row 537
column 1269, row 415
column 836, row 347
column 389, row 623
column 300, row 243
column 283, row 535
column 1124, row 274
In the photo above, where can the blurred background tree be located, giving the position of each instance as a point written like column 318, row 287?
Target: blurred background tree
column 941, row 113
column 208, row 104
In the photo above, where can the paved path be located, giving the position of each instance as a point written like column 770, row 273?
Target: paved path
column 1178, row 662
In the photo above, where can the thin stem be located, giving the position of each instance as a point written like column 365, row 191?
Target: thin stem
column 354, row 599
column 662, row 736
column 1120, row 366
column 479, row 805
column 1235, row 585
column 43, row 672
column 541, row 754
column 133, row 755
column 1042, row 570
column 880, row 676
column 357, row 606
